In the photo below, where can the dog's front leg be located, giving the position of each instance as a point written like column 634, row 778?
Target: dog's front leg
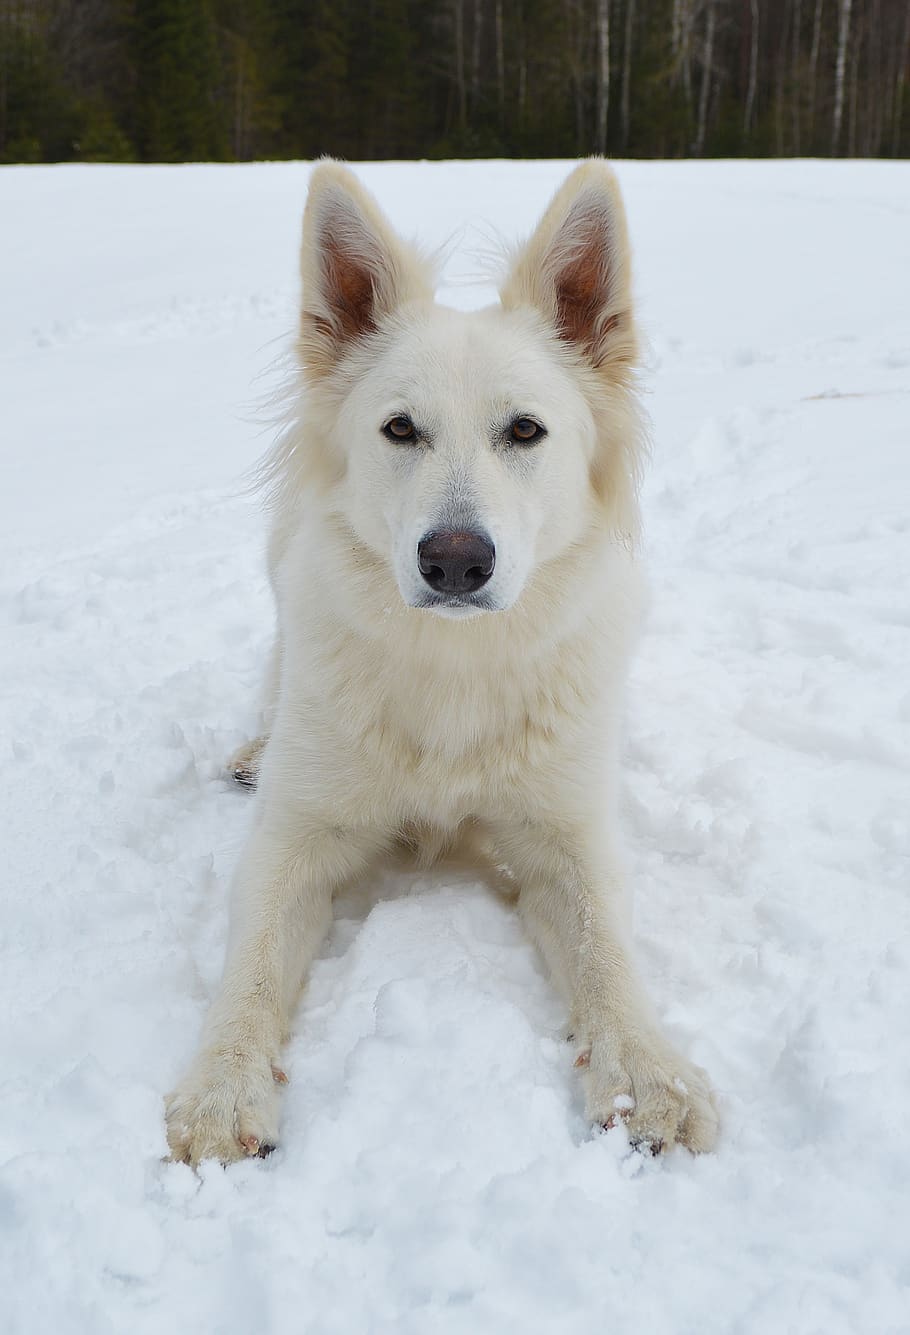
column 226, row 1107
column 571, row 901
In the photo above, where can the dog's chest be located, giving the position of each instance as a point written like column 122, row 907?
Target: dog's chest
column 449, row 736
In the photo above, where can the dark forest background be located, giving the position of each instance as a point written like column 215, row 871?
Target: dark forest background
column 175, row 80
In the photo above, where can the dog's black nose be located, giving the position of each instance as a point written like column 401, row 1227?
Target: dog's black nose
column 456, row 562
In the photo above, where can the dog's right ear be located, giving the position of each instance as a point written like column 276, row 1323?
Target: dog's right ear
column 355, row 270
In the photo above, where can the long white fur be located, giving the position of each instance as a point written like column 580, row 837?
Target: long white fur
column 391, row 725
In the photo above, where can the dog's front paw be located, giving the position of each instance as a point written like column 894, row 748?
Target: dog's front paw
column 662, row 1099
column 226, row 1109
column 245, row 763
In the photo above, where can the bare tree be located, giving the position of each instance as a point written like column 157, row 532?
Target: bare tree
column 753, row 66
column 578, row 59
column 900, row 81
column 813, row 63
column 843, row 31
column 500, row 66
column 459, row 66
column 795, row 79
column 603, row 75
column 522, row 67
column 627, row 72
column 705, row 81
column 683, row 26
column 854, row 51
column 476, row 28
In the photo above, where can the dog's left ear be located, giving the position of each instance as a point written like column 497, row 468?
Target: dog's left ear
column 575, row 270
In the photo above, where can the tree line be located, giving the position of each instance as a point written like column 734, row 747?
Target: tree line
column 182, row 80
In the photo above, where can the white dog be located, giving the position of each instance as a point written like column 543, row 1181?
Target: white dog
column 455, row 517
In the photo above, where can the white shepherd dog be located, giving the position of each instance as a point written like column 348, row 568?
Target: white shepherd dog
column 455, row 520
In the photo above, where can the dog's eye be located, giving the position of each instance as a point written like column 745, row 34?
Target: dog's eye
column 400, row 429
column 525, row 431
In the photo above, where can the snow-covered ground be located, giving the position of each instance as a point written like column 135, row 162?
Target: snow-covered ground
column 436, row 1172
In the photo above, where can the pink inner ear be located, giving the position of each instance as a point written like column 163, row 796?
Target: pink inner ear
column 583, row 285
column 348, row 290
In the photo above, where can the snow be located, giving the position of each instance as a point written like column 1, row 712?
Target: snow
column 436, row 1173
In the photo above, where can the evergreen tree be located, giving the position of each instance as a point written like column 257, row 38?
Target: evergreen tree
column 170, row 80
column 321, row 86
column 179, row 79
column 386, row 86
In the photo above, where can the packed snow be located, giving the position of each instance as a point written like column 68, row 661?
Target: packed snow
column 436, row 1173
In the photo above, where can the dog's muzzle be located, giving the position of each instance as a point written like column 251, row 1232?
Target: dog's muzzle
column 455, row 561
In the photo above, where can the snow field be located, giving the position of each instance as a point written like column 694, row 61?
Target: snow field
column 436, row 1173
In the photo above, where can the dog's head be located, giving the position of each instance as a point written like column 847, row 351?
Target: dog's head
column 465, row 450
